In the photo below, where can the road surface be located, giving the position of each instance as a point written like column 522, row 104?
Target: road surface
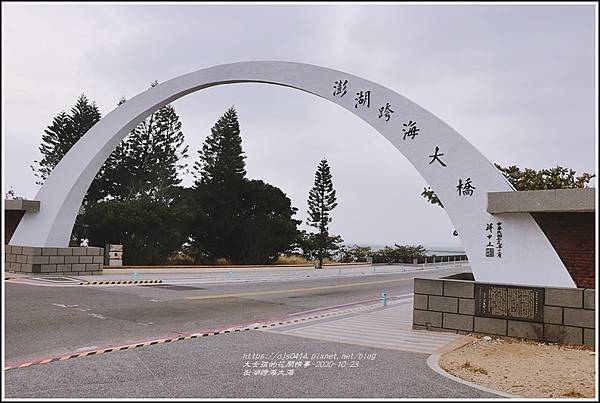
column 53, row 321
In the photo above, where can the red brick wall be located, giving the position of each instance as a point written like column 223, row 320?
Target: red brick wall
column 573, row 238
column 11, row 220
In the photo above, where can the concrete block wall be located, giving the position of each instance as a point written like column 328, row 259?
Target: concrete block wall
column 449, row 306
column 54, row 261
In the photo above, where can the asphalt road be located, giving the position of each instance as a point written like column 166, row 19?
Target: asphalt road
column 42, row 322
column 46, row 321
column 213, row 367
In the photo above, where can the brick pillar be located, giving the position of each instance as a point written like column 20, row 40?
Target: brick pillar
column 573, row 237
column 54, row 261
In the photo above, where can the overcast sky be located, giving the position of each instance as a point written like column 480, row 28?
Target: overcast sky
column 517, row 81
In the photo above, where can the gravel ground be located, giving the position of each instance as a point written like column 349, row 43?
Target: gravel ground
column 525, row 368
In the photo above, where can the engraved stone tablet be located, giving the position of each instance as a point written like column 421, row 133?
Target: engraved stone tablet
column 509, row 302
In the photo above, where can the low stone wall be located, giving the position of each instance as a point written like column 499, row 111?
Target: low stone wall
column 567, row 315
column 52, row 261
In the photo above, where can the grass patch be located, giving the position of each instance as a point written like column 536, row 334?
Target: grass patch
column 292, row 259
column 478, row 370
column 297, row 259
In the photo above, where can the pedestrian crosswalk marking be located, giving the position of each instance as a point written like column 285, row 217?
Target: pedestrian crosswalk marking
column 389, row 328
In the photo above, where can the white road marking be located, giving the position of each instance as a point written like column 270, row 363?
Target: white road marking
column 95, row 315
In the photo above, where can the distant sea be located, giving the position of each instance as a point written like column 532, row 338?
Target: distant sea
column 431, row 250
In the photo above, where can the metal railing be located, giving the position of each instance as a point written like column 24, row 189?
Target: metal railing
column 419, row 260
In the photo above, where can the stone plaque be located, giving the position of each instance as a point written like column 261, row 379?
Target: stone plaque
column 509, row 302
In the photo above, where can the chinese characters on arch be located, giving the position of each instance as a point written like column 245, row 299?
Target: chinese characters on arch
column 409, row 130
column 492, row 249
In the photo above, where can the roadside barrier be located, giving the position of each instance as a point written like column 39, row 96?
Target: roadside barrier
column 121, row 282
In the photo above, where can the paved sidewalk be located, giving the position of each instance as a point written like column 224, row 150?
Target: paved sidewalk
column 389, row 328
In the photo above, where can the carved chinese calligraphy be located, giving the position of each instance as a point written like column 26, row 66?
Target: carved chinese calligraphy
column 466, row 188
column 385, row 111
column 340, row 88
column 436, row 157
column 490, row 250
column 363, row 99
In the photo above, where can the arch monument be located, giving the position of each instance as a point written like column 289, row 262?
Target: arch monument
column 511, row 250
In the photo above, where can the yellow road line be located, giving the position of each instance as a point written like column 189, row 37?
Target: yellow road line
column 326, row 287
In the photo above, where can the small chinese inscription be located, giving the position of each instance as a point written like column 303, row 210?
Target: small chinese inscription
column 489, row 248
column 499, row 239
column 509, row 302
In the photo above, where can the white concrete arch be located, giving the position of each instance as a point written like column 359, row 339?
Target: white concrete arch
column 526, row 255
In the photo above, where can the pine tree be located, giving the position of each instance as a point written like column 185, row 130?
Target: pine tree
column 57, row 140
column 62, row 134
column 244, row 221
column 220, row 177
column 148, row 161
column 141, row 176
column 321, row 201
column 221, row 159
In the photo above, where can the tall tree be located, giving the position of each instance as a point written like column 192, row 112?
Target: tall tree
column 220, row 174
column 61, row 135
column 244, row 221
column 321, row 201
column 57, row 140
column 148, row 161
column 265, row 227
column 141, row 175
column 221, row 160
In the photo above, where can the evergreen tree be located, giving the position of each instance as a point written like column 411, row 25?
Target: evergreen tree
column 241, row 220
column 266, row 227
column 221, row 160
column 321, row 201
column 62, row 134
column 147, row 162
column 57, row 140
column 220, row 175
column 143, row 171
column 150, row 230
column 144, row 165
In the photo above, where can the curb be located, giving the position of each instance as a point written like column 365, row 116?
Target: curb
column 433, row 363
column 235, row 329
column 121, row 282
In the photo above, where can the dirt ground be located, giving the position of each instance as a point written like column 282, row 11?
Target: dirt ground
column 525, row 368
